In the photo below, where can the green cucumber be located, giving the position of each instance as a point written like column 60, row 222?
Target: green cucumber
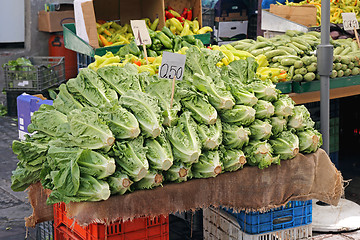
column 316, row 34
column 306, row 60
column 338, row 50
column 337, row 58
column 301, row 46
column 259, row 51
column 317, row 76
column 354, row 46
column 340, row 73
column 262, row 39
column 351, row 65
column 297, row 78
column 290, row 50
column 298, row 64
column 312, row 67
column 260, row 45
column 333, row 74
column 309, row 77
column 291, row 33
column 355, row 71
column 346, row 51
column 347, row 72
column 344, row 67
column 299, row 51
column 301, row 71
column 290, row 73
column 338, row 66
column 284, row 67
column 288, row 61
column 302, row 42
column 274, row 53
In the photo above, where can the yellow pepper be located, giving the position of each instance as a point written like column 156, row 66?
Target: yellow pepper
column 205, row 30
column 177, row 24
column 195, row 27
column 146, row 68
column 186, row 30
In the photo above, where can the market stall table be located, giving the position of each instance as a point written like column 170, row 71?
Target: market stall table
column 305, row 177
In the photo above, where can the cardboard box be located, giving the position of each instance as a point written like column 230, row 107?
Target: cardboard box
column 179, row 6
column 304, row 15
column 53, row 21
column 227, row 30
column 234, row 16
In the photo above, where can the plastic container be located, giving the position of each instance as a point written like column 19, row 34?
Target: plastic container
column 26, row 106
column 57, row 49
column 284, row 87
column 83, row 61
column 140, row 228
column 218, row 224
column 47, row 72
column 45, row 230
column 293, row 214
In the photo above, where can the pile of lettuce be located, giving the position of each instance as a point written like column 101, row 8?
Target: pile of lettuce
column 113, row 131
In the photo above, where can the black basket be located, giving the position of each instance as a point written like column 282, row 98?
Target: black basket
column 46, row 73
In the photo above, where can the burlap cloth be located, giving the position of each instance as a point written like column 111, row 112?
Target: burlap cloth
column 311, row 176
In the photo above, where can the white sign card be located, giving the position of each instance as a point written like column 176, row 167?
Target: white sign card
column 172, row 65
column 140, row 31
column 349, row 21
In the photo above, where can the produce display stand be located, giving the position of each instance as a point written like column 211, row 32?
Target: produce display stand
column 284, row 87
column 306, row 92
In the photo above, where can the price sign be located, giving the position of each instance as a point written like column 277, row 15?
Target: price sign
column 349, row 21
column 172, row 66
column 141, row 32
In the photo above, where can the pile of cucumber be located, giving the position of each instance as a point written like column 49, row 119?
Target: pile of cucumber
column 294, row 52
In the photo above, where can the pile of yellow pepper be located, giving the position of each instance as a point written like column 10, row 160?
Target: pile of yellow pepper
column 336, row 8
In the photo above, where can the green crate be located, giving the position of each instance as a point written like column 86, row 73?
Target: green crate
column 302, row 87
column 284, row 87
column 205, row 38
column 334, row 132
column 73, row 42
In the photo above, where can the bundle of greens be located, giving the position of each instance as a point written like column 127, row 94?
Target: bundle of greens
column 114, row 131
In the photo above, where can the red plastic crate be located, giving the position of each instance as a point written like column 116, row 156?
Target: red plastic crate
column 139, row 229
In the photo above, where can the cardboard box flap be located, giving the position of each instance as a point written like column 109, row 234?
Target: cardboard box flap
column 305, row 14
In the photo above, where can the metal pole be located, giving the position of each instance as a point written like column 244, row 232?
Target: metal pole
column 325, row 62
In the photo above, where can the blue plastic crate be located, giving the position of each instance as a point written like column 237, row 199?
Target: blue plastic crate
column 293, row 214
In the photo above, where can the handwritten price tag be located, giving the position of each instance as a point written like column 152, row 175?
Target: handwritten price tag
column 349, row 21
column 172, row 65
column 140, row 31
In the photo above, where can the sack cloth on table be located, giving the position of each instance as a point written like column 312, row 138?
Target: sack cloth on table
column 311, row 176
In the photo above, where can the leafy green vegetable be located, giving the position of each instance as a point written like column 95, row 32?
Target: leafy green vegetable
column 209, row 165
column 121, row 122
column 284, row 106
column 151, row 180
column 96, row 164
column 22, row 178
column 178, row 172
column 210, row 135
column 309, row 140
column 215, row 89
column 30, row 153
column 202, row 110
column 264, row 90
column 239, row 115
column 232, row 159
column 259, row 153
column 235, row 136
column 241, row 94
column 252, row 67
column 159, row 153
column 88, row 131
column 119, row 183
column 237, row 71
column 130, row 155
column 260, row 130
column 264, row 109
column 89, row 89
column 65, row 102
column 120, row 79
column 184, row 139
column 162, row 90
column 286, row 145
column 300, row 120
column 47, row 120
column 90, row 189
column 146, row 110
column 278, row 124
